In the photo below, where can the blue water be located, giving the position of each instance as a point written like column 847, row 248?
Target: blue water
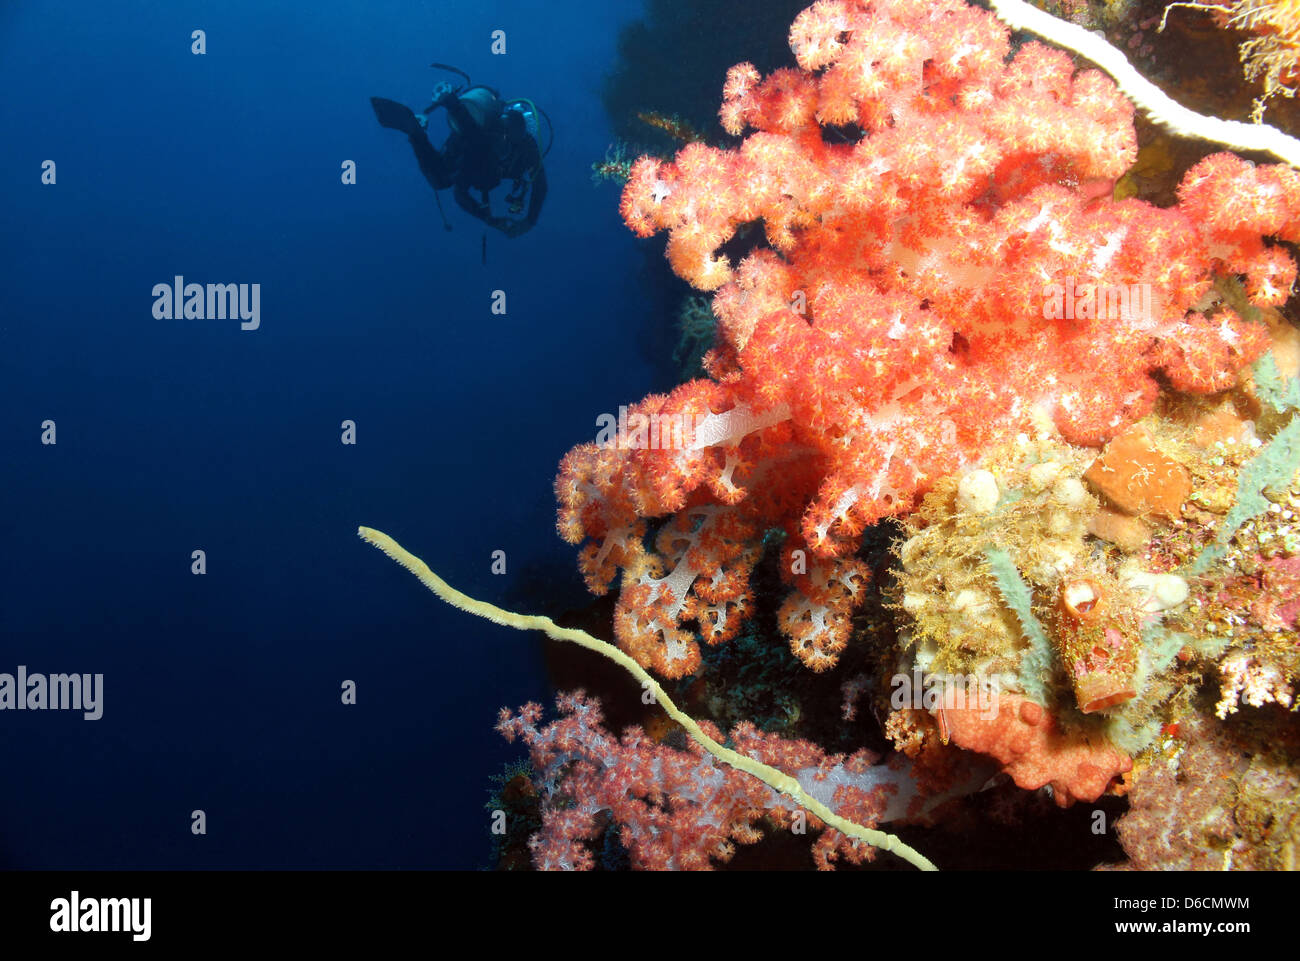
column 222, row 691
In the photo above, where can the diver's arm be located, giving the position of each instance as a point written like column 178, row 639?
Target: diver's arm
column 537, row 193
column 443, row 94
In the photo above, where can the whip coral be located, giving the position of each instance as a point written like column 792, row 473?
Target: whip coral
column 928, row 200
column 578, row 746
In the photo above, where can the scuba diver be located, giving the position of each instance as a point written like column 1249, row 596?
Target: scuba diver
column 491, row 140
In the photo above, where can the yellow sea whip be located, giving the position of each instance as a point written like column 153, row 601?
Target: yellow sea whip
column 531, row 622
column 1147, row 96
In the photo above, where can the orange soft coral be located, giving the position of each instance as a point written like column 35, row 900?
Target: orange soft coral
column 1029, row 744
column 947, row 267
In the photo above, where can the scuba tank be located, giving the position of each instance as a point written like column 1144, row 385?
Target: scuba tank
column 532, row 125
column 528, row 109
column 481, row 103
column 533, row 116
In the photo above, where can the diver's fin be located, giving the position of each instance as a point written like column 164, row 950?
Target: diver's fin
column 395, row 116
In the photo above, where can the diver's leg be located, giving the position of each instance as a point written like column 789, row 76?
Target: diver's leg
column 394, row 115
column 434, row 165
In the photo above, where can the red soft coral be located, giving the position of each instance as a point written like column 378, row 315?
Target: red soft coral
column 949, row 267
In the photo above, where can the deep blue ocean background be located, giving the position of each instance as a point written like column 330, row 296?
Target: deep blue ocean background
column 222, row 691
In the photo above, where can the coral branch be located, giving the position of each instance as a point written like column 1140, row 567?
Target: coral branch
column 769, row 775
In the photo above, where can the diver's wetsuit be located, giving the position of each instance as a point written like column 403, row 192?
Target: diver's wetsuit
column 477, row 158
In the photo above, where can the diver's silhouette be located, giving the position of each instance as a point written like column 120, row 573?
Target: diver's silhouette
column 491, row 140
